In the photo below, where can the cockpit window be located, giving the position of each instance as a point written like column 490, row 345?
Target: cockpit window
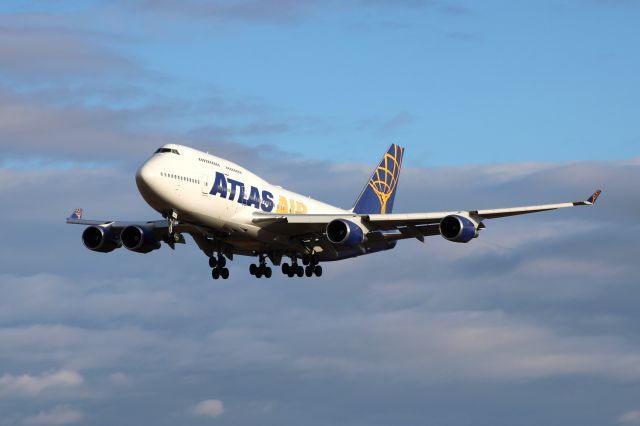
column 173, row 151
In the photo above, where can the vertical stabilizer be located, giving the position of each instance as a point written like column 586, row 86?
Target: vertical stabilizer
column 378, row 195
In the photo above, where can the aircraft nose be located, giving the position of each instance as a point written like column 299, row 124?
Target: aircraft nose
column 145, row 176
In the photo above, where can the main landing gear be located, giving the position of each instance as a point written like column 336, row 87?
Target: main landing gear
column 294, row 269
column 308, row 268
column 261, row 269
column 218, row 265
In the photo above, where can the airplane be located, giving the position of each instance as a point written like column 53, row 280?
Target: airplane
column 227, row 210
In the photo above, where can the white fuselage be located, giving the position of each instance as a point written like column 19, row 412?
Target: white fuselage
column 210, row 191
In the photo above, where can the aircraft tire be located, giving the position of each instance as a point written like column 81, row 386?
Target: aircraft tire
column 213, row 262
column 253, row 268
column 318, row 270
column 222, row 262
column 308, row 271
column 268, row 272
column 285, row 268
column 300, row 271
column 259, row 272
column 224, row 273
column 215, row 273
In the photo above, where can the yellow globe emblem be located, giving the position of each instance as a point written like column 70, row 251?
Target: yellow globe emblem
column 385, row 179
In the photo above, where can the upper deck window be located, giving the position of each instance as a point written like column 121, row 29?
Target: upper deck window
column 173, row 151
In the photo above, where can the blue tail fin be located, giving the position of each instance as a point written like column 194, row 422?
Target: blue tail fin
column 378, row 195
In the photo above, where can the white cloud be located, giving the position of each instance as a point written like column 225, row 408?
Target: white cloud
column 208, row 408
column 631, row 417
column 119, row 379
column 28, row 385
column 59, row 415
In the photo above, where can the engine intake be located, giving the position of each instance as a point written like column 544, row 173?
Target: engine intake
column 344, row 232
column 458, row 229
column 99, row 238
column 139, row 239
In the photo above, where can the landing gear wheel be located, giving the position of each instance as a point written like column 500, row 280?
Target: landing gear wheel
column 259, row 273
column 213, row 262
column 253, row 268
column 268, row 272
column 224, row 273
column 308, row 271
column 215, row 273
column 318, row 270
column 300, row 271
column 285, row 268
column 222, row 262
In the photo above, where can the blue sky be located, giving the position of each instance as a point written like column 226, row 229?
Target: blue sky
column 498, row 104
column 453, row 82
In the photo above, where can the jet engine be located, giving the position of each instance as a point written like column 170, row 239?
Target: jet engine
column 139, row 239
column 459, row 229
column 99, row 238
column 344, row 232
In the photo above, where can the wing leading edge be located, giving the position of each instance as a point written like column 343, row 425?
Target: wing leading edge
column 408, row 224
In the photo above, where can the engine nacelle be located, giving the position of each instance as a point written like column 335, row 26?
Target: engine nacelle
column 344, row 232
column 459, row 229
column 99, row 238
column 139, row 239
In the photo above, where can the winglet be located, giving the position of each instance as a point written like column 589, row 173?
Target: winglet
column 76, row 214
column 594, row 197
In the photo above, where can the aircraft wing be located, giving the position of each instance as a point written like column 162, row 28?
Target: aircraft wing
column 76, row 219
column 390, row 220
column 409, row 225
column 159, row 228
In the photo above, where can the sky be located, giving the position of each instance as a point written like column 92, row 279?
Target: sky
column 498, row 104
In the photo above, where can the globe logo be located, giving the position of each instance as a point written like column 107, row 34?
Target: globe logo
column 384, row 180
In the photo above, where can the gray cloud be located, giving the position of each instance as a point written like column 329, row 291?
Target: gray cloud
column 630, row 417
column 29, row 385
column 208, row 408
column 59, row 415
column 535, row 299
column 280, row 11
column 385, row 128
column 464, row 36
column 75, row 132
column 45, row 50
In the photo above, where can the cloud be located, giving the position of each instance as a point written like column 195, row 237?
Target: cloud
column 385, row 128
column 538, row 299
column 463, row 36
column 630, row 417
column 208, row 408
column 119, row 379
column 72, row 131
column 59, row 415
column 280, row 11
column 64, row 131
column 29, row 385
column 41, row 48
